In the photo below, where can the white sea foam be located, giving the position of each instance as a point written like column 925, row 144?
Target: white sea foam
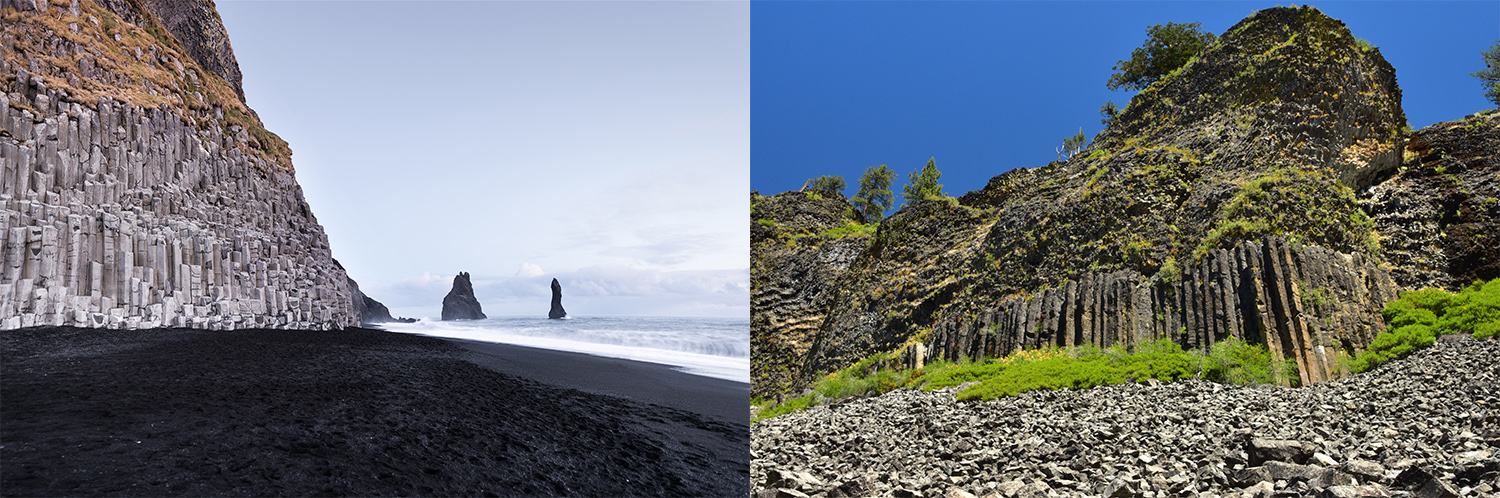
column 711, row 347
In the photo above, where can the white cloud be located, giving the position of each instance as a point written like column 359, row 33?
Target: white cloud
column 529, row 270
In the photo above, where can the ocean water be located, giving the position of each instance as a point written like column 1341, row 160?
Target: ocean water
column 711, row 347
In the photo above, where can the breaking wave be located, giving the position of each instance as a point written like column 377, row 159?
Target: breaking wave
column 711, row 347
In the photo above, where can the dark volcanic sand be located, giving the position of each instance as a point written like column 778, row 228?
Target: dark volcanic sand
column 356, row 412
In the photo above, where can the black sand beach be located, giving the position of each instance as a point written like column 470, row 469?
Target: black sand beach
column 355, row 412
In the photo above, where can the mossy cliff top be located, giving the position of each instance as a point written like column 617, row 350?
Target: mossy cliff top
column 122, row 49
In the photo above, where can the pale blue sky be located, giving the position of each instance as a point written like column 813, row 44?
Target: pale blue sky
column 602, row 143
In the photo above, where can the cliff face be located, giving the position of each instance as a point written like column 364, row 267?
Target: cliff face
column 1221, row 202
column 1439, row 215
column 792, row 269
column 137, row 189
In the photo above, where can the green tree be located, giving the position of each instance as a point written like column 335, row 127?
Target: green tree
column 1490, row 77
column 1167, row 48
column 826, row 183
column 1108, row 112
column 1072, row 145
column 923, row 184
column 875, row 196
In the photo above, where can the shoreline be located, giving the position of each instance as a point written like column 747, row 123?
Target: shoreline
column 352, row 412
column 641, row 381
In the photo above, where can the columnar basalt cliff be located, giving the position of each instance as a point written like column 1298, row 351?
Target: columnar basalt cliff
column 1264, row 191
column 137, row 189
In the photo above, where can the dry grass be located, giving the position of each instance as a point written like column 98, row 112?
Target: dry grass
column 145, row 80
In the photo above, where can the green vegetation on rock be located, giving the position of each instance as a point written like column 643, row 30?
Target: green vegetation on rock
column 1305, row 205
column 1229, row 362
column 1420, row 316
column 851, row 229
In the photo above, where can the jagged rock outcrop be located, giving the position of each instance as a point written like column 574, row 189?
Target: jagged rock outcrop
column 460, row 303
column 368, row 309
column 1439, row 216
column 1239, row 169
column 557, row 310
column 791, row 269
column 137, row 189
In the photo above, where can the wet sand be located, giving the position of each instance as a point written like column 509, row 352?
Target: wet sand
column 636, row 380
column 355, row 412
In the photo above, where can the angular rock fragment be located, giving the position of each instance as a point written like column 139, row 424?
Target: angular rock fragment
column 1265, row 450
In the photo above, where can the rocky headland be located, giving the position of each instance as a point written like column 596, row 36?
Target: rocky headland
column 557, row 310
column 1266, row 191
column 138, row 190
column 460, row 303
column 1425, row 425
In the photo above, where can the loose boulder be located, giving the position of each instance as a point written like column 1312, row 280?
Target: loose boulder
column 557, row 309
column 460, row 303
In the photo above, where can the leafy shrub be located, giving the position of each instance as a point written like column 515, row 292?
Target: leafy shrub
column 1418, row 317
column 1088, row 367
column 1475, row 310
column 1238, row 362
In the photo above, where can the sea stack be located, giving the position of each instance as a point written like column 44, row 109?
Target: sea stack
column 557, row 309
column 460, row 304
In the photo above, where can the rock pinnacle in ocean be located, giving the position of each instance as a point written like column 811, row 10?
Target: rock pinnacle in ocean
column 557, row 309
column 460, row 304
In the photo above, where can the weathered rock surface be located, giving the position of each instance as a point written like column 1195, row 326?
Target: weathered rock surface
column 1247, row 195
column 368, row 309
column 557, row 310
column 791, row 271
column 134, row 193
column 1423, row 424
column 1439, row 214
column 460, row 303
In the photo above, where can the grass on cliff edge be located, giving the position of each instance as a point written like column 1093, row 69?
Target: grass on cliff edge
column 1419, row 317
column 1230, row 362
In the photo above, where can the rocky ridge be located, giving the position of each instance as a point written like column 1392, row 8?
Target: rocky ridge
column 137, row 189
column 1253, row 165
column 1425, row 425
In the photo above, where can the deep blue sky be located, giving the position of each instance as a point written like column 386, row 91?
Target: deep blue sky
column 989, row 86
